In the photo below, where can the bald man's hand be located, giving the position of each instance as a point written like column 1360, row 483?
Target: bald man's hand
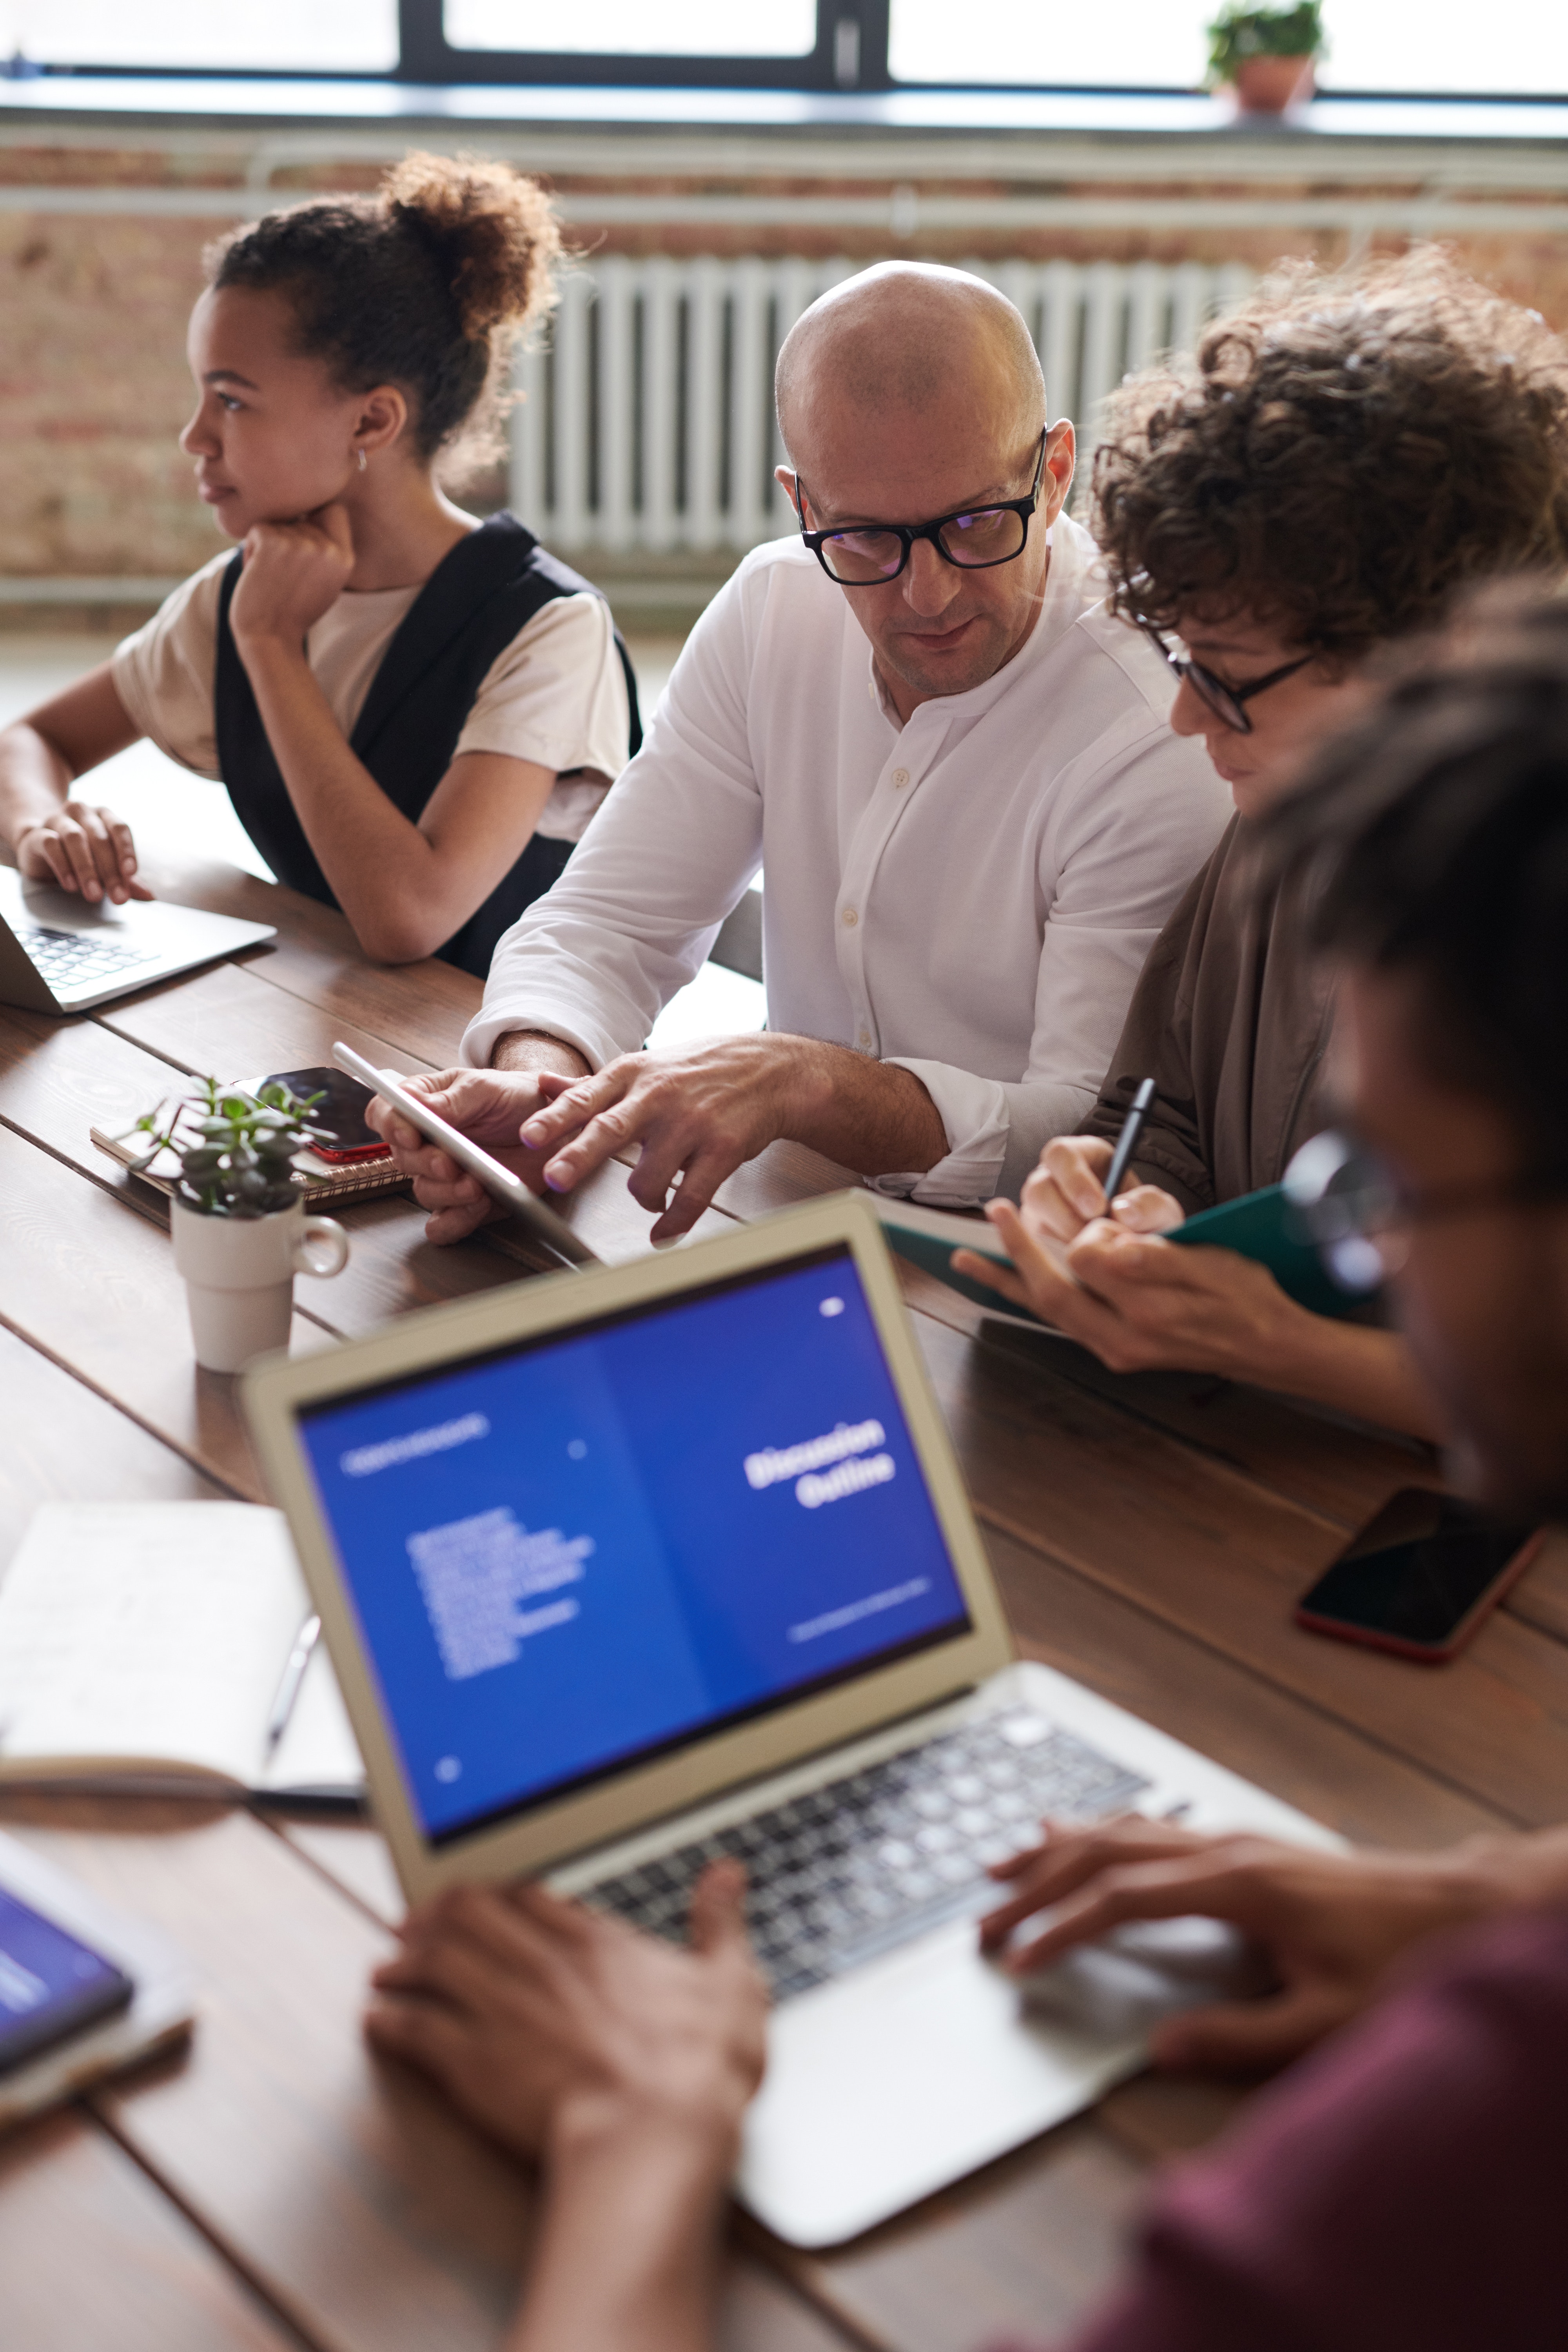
column 695, row 1115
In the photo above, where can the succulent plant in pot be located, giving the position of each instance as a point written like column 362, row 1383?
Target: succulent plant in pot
column 238, row 1221
column 1266, row 55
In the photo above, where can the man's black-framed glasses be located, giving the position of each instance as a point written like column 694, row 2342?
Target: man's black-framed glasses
column 1348, row 1204
column 1227, row 700
column 973, row 540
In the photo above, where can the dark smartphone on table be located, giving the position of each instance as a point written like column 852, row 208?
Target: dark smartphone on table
column 50, row 1984
column 1420, row 1577
column 341, row 1112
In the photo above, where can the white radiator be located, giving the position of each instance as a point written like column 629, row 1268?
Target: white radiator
column 647, row 417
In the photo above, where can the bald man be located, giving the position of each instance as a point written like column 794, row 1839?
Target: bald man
column 953, row 765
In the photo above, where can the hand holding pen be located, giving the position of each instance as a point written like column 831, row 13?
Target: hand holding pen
column 1081, row 1178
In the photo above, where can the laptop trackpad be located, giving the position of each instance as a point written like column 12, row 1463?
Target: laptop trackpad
column 890, row 2083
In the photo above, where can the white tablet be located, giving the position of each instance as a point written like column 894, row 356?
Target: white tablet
column 542, row 1221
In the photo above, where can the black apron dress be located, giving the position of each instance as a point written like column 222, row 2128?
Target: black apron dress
column 468, row 611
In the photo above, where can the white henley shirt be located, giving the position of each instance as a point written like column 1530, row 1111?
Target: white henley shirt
column 971, row 895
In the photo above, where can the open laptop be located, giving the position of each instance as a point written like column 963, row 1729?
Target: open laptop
column 625, row 1568
column 57, row 954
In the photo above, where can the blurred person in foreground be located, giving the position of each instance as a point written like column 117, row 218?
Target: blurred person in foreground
column 1404, row 2185
column 1345, row 454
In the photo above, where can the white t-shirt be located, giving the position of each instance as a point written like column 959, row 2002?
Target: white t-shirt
column 556, row 695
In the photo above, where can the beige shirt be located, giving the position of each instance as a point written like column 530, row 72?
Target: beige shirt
column 556, row 695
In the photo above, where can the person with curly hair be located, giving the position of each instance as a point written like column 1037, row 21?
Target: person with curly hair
column 1341, row 456
column 415, row 713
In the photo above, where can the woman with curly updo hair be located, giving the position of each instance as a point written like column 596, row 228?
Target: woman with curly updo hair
column 1341, row 455
column 415, row 713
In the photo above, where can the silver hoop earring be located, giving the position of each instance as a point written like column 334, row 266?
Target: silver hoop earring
column 361, row 456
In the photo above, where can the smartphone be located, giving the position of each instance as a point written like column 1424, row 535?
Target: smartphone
column 50, row 1985
column 1420, row 1577
column 340, row 1111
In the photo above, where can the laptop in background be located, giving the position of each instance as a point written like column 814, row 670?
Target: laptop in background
column 57, row 954
column 625, row 1569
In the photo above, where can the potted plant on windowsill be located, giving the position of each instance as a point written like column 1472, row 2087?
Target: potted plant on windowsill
column 237, row 1219
column 1266, row 55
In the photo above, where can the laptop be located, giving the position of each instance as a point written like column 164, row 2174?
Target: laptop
column 57, row 954
column 625, row 1568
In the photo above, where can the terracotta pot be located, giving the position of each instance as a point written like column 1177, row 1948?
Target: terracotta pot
column 239, row 1276
column 1269, row 85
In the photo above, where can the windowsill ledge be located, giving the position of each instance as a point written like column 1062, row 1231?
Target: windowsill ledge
column 1184, row 122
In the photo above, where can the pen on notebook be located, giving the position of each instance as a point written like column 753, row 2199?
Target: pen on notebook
column 1127, row 1141
column 293, row 1675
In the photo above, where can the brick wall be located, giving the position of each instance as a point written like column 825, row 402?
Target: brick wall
column 93, row 386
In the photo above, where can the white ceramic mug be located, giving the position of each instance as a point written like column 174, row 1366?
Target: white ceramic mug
column 239, row 1276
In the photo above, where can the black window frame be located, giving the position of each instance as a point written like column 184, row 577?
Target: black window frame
column 850, row 53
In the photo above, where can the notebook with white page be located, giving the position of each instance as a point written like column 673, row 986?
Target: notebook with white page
column 142, row 1648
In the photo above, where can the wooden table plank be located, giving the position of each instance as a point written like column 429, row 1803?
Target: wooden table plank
column 65, row 1443
column 92, row 1284
column 1356, row 1785
column 1341, row 1470
column 420, row 1009
column 227, row 1022
column 1215, row 1554
column 91, row 2254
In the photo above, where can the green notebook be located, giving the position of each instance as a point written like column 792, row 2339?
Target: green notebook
column 1264, row 1226
column 1260, row 1226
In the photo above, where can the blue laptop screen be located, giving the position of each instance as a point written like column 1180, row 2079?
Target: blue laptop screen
column 599, row 1545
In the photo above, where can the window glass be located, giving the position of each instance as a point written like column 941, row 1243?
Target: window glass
column 244, row 36
column 687, row 28
column 1373, row 45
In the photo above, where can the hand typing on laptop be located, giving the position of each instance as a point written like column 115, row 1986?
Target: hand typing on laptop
column 622, row 2064
column 1334, row 1925
column 81, row 847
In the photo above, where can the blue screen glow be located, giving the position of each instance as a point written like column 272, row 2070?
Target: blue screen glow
column 600, row 1544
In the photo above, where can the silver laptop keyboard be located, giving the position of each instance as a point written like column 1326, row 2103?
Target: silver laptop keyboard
column 852, row 1869
column 77, row 959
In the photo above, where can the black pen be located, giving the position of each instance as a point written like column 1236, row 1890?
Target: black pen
column 1127, row 1141
column 292, row 1676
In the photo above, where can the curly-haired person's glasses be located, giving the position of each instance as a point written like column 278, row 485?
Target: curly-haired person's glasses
column 973, row 541
column 1226, row 700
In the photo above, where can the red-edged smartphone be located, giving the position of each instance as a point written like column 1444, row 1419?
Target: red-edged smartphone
column 1420, row 1577
column 340, row 1111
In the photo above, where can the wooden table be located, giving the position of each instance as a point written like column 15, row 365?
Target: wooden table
column 276, row 2188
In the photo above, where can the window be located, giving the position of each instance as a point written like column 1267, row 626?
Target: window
column 1518, row 50
column 278, row 37
column 703, row 28
column 1445, row 48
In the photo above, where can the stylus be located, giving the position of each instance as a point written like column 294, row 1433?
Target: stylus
column 1127, row 1141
